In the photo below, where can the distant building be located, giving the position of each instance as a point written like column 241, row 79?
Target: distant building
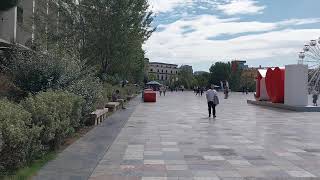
column 164, row 72
column 238, row 65
column 197, row 73
column 188, row 68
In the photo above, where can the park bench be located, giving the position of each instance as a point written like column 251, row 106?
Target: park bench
column 113, row 106
column 121, row 101
column 99, row 115
column 129, row 97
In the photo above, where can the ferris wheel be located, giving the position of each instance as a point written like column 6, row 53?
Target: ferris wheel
column 311, row 56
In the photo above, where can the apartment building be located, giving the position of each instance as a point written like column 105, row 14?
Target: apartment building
column 15, row 24
column 164, row 72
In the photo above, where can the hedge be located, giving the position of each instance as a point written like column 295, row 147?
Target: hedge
column 20, row 139
column 57, row 112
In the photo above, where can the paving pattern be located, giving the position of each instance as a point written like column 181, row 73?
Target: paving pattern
column 79, row 160
column 174, row 139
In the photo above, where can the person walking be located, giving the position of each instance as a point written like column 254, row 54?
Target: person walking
column 213, row 101
column 164, row 90
column 198, row 91
column 315, row 97
column 201, row 91
column 161, row 90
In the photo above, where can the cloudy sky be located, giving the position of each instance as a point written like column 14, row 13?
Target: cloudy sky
column 201, row 32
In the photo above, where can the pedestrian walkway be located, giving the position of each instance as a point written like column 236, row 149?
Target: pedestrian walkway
column 174, row 139
column 78, row 161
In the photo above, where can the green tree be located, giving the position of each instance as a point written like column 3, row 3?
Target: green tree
column 107, row 35
column 220, row 71
column 202, row 79
column 185, row 78
column 152, row 77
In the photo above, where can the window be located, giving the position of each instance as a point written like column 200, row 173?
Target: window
column 161, row 77
column 19, row 15
column 151, row 70
column 166, row 71
column 166, row 77
column 171, row 71
column 158, row 77
column 176, row 72
column 158, row 70
column 162, row 70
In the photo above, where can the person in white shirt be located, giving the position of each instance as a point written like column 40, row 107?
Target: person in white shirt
column 213, row 101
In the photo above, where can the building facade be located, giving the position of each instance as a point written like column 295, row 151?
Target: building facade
column 163, row 72
column 15, row 25
column 238, row 65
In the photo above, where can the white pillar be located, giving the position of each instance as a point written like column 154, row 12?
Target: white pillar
column 296, row 85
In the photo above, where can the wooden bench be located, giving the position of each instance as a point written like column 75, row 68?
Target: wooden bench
column 121, row 101
column 113, row 106
column 129, row 97
column 99, row 115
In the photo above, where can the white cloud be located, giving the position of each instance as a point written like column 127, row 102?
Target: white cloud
column 260, row 40
column 166, row 5
column 241, row 7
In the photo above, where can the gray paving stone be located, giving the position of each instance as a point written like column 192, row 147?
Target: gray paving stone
column 174, row 139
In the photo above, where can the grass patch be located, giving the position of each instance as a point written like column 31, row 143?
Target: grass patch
column 30, row 170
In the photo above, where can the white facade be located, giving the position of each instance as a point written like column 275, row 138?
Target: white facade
column 296, row 85
column 163, row 71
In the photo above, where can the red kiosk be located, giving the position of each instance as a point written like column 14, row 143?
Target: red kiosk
column 149, row 95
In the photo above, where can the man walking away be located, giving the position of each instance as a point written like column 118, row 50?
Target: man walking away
column 213, row 101
column 164, row 90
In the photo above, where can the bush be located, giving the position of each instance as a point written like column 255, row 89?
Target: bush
column 20, row 139
column 90, row 89
column 57, row 112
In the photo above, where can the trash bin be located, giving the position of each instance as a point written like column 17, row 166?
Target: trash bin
column 149, row 95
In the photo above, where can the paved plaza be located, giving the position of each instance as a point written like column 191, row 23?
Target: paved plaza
column 174, row 139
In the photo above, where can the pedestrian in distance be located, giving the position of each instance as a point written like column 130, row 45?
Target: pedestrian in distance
column 198, row 91
column 213, row 101
column 201, row 91
column 315, row 97
column 161, row 90
column 164, row 90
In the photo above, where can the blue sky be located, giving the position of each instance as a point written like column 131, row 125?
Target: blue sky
column 262, row 32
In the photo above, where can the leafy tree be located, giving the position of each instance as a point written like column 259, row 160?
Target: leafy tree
column 152, row 77
column 220, row 71
column 107, row 35
column 186, row 78
column 202, row 79
column 235, row 79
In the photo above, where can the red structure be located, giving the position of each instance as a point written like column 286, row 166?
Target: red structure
column 149, row 95
column 258, row 86
column 275, row 84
